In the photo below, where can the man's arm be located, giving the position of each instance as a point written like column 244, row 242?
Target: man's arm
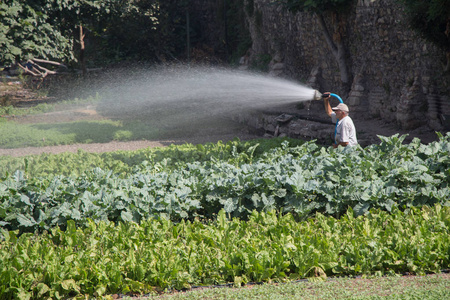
column 326, row 103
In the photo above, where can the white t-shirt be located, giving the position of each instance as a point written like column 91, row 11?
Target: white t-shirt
column 345, row 130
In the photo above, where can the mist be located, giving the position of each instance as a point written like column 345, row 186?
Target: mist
column 181, row 94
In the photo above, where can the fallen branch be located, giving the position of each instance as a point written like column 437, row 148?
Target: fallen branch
column 37, row 60
column 46, row 71
column 38, row 70
column 28, row 71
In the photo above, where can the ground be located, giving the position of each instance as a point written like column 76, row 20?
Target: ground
column 90, row 114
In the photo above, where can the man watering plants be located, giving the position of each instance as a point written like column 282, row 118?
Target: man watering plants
column 345, row 131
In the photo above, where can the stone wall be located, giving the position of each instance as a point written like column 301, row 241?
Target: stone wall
column 397, row 76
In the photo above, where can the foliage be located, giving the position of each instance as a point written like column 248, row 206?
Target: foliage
column 261, row 62
column 106, row 258
column 431, row 19
column 238, row 36
column 49, row 29
column 302, row 180
column 26, row 31
column 138, row 30
column 144, row 30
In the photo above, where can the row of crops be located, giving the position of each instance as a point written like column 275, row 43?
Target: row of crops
column 89, row 225
column 303, row 180
column 102, row 259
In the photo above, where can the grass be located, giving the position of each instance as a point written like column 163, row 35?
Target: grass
column 15, row 135
column 405, row 287
column 144, row 124
column 10, row 110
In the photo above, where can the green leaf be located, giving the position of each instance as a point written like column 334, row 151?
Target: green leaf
column 230, row 204
column 126, row 216
column 41, row 289
column 70, row 285
column 361, row 208
column 24, row 295
column 25, row 221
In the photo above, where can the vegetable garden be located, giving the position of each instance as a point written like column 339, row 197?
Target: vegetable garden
column 89, row 225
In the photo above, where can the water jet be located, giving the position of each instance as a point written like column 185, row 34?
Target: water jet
column 178, row 96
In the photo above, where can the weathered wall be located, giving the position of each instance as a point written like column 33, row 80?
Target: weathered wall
column 397, row 76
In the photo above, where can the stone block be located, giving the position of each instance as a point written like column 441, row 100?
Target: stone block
column 354, row 101
column 358, row 87
column 278, row 66
column 356, row 94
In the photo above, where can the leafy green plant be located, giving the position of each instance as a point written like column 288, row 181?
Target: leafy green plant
column 21, row 39
column 302, row 180
column 107, row 258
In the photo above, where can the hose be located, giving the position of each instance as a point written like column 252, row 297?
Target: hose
column 337, row 97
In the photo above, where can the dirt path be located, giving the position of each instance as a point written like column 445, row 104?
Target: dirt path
column 89, row 113
column 126, row 146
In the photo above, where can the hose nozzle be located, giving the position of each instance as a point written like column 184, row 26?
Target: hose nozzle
column 317, row 95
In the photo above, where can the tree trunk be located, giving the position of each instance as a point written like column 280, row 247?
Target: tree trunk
column 337, row 47
column 82, row 57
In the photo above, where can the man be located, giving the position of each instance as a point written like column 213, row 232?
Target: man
column 345, row 131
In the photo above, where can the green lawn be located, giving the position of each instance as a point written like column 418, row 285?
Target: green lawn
column 15, row 135
column 405, row 287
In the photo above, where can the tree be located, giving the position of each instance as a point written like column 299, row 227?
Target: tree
column 333, row 10
column 431, row 18
column 144, row 29
column 39, row 31
column 26, row 32
column 53, row 29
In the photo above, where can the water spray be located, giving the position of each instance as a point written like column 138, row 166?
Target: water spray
column 177, row 91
